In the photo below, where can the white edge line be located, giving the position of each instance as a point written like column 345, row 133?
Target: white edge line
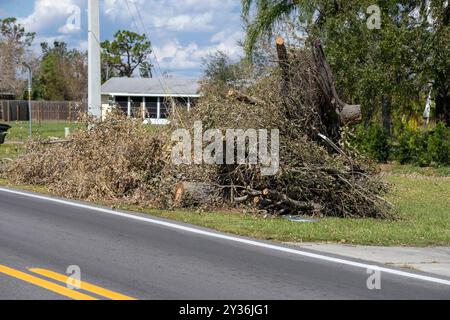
column 234, row 239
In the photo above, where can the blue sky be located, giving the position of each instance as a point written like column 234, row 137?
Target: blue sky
column 182, row 31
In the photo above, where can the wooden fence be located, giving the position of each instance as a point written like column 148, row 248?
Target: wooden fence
column 17, row 110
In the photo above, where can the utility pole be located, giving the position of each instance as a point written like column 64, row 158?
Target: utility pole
column 94, row 70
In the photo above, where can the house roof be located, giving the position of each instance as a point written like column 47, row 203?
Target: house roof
column 185, row 87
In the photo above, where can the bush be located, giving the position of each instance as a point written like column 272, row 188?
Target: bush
column 424, row 148
column 412, row 146
column 374, row 141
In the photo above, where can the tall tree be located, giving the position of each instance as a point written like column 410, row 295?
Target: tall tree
column 14, row 41
column 439, row 63
column 62, row 74
column 128, row 52
column 268, row 13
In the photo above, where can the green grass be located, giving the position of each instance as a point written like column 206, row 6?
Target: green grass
column 423, row 207
column 408, row 169
column 10, row 151
column 20, row 129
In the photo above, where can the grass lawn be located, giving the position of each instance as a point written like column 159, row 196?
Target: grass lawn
column 18, row 134
column 45, row 129
column 408, row 169
column 10, row 151
column 423, row 205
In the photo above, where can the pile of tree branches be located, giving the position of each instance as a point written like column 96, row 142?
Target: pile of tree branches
column 317, row 176
column 117, row 160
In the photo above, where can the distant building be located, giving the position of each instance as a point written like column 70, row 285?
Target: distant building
column 149, row 98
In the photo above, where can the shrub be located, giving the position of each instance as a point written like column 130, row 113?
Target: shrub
column 374, row 141
column 412, row 146
column 439, row 145
column 424, row 148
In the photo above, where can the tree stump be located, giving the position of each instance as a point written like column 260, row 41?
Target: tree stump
column 193, row 193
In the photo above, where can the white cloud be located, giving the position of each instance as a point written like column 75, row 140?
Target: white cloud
column 185, row 22
column 173, row 15
column 228, row 42
column 174, row 56
column 49, row 14
column 182, row 32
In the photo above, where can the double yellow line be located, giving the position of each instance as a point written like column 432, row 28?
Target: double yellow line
column 64, row 291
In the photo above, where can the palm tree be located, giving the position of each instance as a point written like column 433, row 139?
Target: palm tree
column 263, row 15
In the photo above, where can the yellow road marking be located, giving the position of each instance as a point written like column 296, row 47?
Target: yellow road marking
column 45, row 284
column 84, row 285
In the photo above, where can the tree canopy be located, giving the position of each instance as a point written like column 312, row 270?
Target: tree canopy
column 62, row 74
column 128, row 52
column 14, row 41
column 395, row 64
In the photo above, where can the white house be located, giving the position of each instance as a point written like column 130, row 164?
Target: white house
column 149, row 98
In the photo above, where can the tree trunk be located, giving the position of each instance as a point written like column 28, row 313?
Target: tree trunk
column 443, row 106
column 335, row 112
column 192, row 193
column 283, row 60
column 386, row 114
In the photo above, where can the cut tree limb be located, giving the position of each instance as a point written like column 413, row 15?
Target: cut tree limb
column 283, row 59
column 193, row 193
column 350, row 115
column 243, row 97
column 288, row 203
column 347, row 114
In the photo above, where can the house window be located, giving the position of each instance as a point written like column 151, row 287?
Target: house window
column 151, row 105
column 193, row 102
column 164, row 109
column 181, row 102
column 136, row 107
column 122, row 103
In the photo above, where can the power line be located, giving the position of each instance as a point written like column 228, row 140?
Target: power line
column 161, row 79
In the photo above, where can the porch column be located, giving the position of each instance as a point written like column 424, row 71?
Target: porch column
column 189, row 104
column 129, row 107
column 158, row 116
column 144, row 108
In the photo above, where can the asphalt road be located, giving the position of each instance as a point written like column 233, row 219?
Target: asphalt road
column 143, row 257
